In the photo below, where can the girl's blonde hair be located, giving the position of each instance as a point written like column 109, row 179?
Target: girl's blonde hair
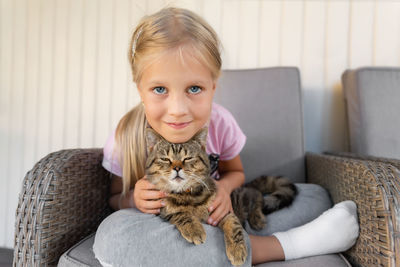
column 169, row 28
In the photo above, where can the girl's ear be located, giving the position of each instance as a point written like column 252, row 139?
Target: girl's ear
column 139, row 91
column 152, row 138
column 214, row 86
column 201, row 137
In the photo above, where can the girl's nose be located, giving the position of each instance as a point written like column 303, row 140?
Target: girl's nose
column 177, row 106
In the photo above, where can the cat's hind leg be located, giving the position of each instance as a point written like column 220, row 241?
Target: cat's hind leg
column 257, row 219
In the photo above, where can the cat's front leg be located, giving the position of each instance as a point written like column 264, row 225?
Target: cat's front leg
column 235, row 244
column 189, row 227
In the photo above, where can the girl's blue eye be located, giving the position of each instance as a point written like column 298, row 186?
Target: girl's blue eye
column 159, row 90
column 195, row 89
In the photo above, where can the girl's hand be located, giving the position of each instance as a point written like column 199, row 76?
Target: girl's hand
column 221, row 205
column 147, row 198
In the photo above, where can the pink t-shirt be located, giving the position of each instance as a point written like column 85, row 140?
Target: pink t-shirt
column 225, row 138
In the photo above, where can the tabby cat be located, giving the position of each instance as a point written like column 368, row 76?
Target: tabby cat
column 183, row 171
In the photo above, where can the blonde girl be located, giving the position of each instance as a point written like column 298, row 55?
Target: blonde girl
column 175, row 60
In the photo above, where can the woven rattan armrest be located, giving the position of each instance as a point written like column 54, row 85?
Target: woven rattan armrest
column 63, row 199
column 391, row 161
column 374, row 186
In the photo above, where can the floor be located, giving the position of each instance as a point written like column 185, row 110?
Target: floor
column 6, row 257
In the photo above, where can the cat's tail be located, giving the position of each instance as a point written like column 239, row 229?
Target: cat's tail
column 281, row 192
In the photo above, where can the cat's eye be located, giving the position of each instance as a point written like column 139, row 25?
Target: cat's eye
column 188, row 159
column 195, row 89
column 166, row 160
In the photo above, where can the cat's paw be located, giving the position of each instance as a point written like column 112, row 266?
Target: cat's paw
column 194, row 234
column 237, row 252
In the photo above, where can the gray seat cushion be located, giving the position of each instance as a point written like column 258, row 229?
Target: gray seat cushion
column 373, row 97
column 311, row 201
column 267, row 106
column 6, row 257
column 81, row 255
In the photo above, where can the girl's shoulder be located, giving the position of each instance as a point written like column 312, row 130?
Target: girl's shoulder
column 222, row 119
column 111, row 161
column 224, row 134
column 220, row 114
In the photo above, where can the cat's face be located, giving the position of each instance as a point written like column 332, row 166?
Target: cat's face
column 176, row 167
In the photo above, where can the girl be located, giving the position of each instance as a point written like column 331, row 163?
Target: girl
column 176, row 63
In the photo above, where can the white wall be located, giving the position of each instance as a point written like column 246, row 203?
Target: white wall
column 65, row 80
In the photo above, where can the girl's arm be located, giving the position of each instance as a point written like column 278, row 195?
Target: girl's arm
column 231, row 172
column 231, row 177
column 116, row 190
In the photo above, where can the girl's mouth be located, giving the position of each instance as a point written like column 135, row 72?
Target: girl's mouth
column 178, row 125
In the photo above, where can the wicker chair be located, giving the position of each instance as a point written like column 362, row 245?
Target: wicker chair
column 64, row 199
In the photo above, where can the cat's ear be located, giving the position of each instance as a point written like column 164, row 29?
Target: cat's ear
column 201, row 137
column 152, row 138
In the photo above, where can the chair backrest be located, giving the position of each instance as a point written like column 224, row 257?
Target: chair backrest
column 267, row 105
column 373, row 108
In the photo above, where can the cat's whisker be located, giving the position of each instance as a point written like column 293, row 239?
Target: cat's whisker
column 200, row 181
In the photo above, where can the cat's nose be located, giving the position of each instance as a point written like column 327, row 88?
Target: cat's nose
column 177, row 168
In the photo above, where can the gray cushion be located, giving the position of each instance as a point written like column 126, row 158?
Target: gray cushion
column 373, row 97
column 82, row 255
column 311, row 201
column 6, row 257
column 267, row 105
column 129, row 236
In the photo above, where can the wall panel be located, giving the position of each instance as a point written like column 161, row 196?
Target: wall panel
column 59, row 96
column 334, row 131
column 312, row 71
column 386, row 33
column 291, row 35
column 362, row 24
column 270, row 37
